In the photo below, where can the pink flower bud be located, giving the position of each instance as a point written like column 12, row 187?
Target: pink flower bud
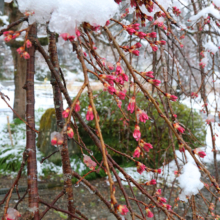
column 171, row 97
column 28, row 43
column 131, row 105
column 70, row 132
column 199, row 152
column 89, row 162
column 77, row 106
column 107, row 23
column 149, row 213
column 137, row 152
column 142, row 115
column 65, row 113
column 26, row 55
column 155, row 82
column 153, row 34
column 136, row 52
column 78, row 33
column 140, row 167
column 20, row 50
column 178, row 127
column 123, row 210
column 56, row 138
column 137, row 133
column 89, row 114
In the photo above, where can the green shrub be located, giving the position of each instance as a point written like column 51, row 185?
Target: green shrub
column 153, row 131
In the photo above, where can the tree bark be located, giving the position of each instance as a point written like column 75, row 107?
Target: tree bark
column 33, row 199
column 58, row 103
column 20, row 66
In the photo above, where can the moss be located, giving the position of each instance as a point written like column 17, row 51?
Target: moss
column 45, row 121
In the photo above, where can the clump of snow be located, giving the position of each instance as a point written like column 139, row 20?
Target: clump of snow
column 204, row 12
column 65, row 16
column 70, row 14
column 189, row 181
column 210, row 47
column 42, row 9
column 8, row 1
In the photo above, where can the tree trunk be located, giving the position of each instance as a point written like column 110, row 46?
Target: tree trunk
column 33, row 199
column 20, row 66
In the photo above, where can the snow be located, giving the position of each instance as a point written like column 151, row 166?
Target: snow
column 189, row 181
column 8, row 1
column 204, row 12
column 211, row 47
column 65, row 16
column 216, row 2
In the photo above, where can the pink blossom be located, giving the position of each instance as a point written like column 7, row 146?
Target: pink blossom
column 130, row 30
column 136, row 26
column 138, row 45
column 140, row 167
column 77, row 106
column 20, row 50
column 70, row 132
column 141, row 34
column 167, row 206
column 154, row 47
column 111, row 90
column 89, row 162
column 131, row 105
column 171, row 97
column 122, row 209
column 26, row 55
column 137, row 133
column 163, row 42
column 137, row 152
column 181, row 147
column 199, row 152
column 89, row 114
column 153, row 34
column 155, row 82
column 56, row 138
column 121, row 95
column 194, row 95
column 161, row 199
column 8, row 38
column 136, row 52
column 65, row 113
column 178, row 127
column 119, row 80
column 124, row 76
column 118, row 69
column 28, row 43
column 147, row 147
column 107, row 23
column 65, row 36
column 149, row 213
column 78, row 33
column 142, row 115
column 6, row 33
